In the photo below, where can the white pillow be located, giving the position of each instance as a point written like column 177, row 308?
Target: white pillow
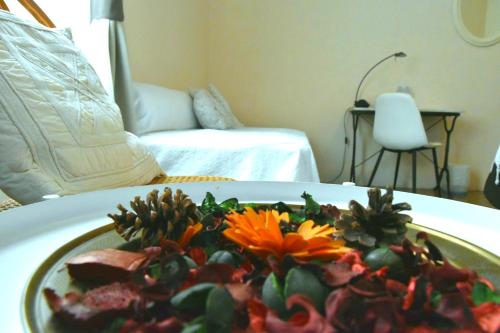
column 213, row 111
column 161, row 109
column 224, row 104
column 60, row 133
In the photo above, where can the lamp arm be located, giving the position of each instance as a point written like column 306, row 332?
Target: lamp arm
column 373, row 67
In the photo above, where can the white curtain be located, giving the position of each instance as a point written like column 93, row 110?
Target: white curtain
column 124, row 90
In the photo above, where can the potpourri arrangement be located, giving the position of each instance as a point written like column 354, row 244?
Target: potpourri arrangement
column 235, row 267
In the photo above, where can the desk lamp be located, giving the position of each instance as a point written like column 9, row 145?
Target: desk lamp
column 363, row 103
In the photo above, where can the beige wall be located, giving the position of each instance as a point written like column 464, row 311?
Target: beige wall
column 296, row 63
column 492, row 25
column 167, row 41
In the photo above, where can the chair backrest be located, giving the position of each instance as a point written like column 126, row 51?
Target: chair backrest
column 398, row 123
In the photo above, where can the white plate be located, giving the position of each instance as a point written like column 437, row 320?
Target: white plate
column 28, row 235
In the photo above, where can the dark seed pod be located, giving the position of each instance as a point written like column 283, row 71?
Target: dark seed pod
column 380, row 222
column 159, row 217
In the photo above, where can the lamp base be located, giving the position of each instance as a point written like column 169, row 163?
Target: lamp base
column 361, row 103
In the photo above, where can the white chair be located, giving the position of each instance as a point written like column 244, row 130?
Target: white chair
column 398, row 128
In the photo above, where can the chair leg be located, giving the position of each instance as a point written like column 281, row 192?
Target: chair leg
column 436, row 170
column 414, row 171
column 397, row 170
column 448, row 185
column 376, row 167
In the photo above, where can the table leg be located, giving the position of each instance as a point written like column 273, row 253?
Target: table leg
column 444, row 169
column 355, row 119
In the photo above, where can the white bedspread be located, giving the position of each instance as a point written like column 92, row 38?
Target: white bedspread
column 270, row 154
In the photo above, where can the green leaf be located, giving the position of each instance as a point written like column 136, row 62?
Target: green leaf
column 219, row 310
column 311, row 207
column 383, row 256
column 481, row 293
column 192, row 298
column 229, row 204
column 115, row 325
column 133, row 245
column 155, row 270
column 272, row 294
column 303, row 282
column 173, row 270
column 296, row 218
column 211, row 232
column 190, row 262
column 281, row 207
column 251, row 205
column 197, row 325
column 222, row 257
column 435, row 298
column 209, row 206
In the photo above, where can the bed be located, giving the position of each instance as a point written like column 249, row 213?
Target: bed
column 169, row 122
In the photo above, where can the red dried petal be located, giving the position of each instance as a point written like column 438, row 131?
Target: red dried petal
column 247, row 266
column 257, row 313
column 421, row 329
column 96, row 308
column 348, row 311
column 352, row 258
column 299, row 319
column 338, row 274
column 113, row 296
column 380, row 316
column 169, row 325
column 382, row 273
column 446, row 277
column 198, row 255
column 309, row 321
column 410, row 295
column 152, row 251
column 395, row 287
column 454, row 307
column 215, row 273
column 488, row 317
column 107, row 265
column 241, row 293
column 170, row 246
column 157, row 292
column 422, row 235
column 275, row 266
column 339, row 307
column 369, row 287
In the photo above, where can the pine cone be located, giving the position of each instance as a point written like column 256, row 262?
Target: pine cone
column 163, row 217
column 379, row 223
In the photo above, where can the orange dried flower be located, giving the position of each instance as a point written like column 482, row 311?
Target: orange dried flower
column 260, row 233
column 189, row 233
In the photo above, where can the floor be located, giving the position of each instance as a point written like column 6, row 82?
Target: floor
column 473, row 197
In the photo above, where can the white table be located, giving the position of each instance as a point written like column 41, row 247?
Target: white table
column 28, row 235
